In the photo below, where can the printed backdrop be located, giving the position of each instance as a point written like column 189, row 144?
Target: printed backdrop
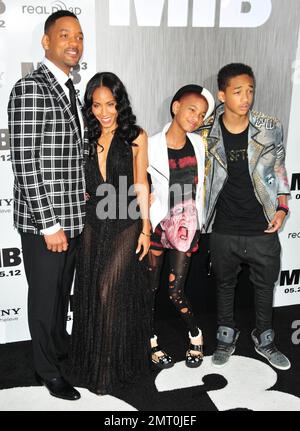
column 156, row 46
column 21, row 30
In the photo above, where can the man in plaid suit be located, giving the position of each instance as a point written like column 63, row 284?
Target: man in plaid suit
column 46, row 128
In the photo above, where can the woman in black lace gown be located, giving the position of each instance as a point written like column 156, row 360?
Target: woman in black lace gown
column 111, row 309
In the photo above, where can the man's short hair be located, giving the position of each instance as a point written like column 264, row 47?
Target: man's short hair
column 55, row 16
column 231, row 71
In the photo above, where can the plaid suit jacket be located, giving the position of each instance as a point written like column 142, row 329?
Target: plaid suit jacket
column 47, row 156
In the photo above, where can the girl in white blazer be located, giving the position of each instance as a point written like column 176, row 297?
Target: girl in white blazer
column 176, row 161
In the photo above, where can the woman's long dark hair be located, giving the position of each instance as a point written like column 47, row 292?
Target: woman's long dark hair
column 127, row 128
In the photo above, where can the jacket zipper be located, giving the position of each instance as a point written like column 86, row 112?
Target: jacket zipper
column 257, row 194
column 258, row 198
column 159, row 172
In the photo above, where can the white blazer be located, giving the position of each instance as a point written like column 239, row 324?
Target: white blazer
column 160, row 174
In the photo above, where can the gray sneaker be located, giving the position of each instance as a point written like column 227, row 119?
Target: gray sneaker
column 227, row 338
column 264, row 346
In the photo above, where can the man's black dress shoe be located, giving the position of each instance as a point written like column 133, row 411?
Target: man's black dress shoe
column 59, row 387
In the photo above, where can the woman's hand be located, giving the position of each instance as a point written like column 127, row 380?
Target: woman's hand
column 143, row 244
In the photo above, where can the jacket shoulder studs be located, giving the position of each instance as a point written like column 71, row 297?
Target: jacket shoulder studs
column 210, row 120
column 263, row 120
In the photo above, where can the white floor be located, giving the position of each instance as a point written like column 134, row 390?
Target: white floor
column 247, row 385
column 37, row 398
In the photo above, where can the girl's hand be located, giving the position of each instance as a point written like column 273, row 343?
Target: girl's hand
column 143, row 243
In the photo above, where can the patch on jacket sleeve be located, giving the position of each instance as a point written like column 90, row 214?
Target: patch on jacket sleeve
column 263, row 120
column 270, row 178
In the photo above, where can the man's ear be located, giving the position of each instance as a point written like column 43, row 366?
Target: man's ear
column 175, row 107
column 221, row 96
column 45, row 42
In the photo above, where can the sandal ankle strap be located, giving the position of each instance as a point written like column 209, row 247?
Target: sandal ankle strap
column 196, row 336
column 196, row 347
column 155, row 349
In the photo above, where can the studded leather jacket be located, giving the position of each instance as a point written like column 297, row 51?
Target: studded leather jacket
column 266, row 155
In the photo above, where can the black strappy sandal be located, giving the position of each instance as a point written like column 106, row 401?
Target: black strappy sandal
column 194, row 360
column 162, row 362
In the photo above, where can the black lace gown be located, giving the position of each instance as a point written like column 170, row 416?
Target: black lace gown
column 112, row 303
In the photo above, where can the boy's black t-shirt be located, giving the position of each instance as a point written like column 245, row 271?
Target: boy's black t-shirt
column 238, row 211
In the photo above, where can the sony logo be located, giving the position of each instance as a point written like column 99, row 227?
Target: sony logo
column 9, row 312
column 6, row 202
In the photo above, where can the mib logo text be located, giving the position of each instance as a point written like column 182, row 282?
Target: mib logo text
column 295, row 185
column 184, row 13
column 10, row 257
column 290, row 281
column 6, row 205
column 4, row 139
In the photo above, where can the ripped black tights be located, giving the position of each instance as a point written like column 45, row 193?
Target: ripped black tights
column 179, row 265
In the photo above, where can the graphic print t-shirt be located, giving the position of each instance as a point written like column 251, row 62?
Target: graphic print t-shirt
column 238, row 212
column 179, row 229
